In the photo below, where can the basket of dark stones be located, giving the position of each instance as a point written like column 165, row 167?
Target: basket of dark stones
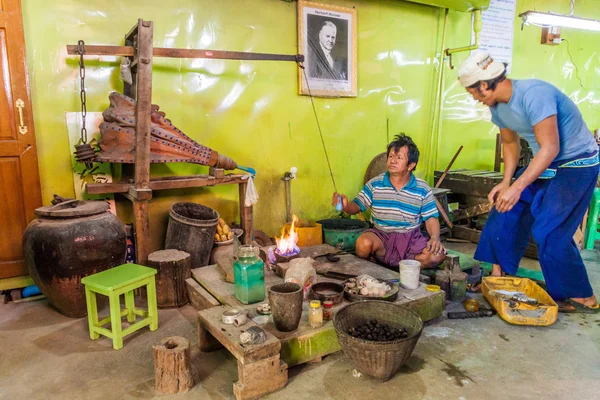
column 377, row 337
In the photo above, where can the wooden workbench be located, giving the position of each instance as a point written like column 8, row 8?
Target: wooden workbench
column 305, row 343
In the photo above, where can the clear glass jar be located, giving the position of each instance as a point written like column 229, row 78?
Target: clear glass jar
column 249, row 275
column 315, row 314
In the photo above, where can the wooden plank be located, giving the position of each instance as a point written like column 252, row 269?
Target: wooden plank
column 201, row 300
column 444, row 214
column 260, row 378
column 141, row 230
column 28, row 299
column 212, row 281
column 428, row 305
column 440, row 191
column 229, row 336
column 100, row 50
column 439, row 181
column 479, row 209
column 470, row 234
column 142, row 138
column 143, row 104
column 128, row 51
column 306, row 343
column 199, row 297
column 177, row 182
column 16, row 282
column 207, row 342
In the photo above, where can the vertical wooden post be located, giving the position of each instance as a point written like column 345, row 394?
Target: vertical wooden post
column 245, row 215
column 142, row 194
column 144, row 103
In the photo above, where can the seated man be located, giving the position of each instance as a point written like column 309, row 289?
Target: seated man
column 399, row 202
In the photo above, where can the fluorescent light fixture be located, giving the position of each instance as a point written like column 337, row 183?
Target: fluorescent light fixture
column 546, row 19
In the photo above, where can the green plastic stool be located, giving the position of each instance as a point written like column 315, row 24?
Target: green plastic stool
column 592, row 233
column 113, row 283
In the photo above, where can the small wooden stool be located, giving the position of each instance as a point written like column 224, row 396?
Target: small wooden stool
column 112, row 283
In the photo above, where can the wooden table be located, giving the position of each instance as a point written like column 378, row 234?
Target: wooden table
column 297, row 347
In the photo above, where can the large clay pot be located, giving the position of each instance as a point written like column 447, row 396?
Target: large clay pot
column 67, row 242
column 285, row 300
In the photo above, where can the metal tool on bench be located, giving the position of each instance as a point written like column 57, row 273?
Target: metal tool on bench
column 515, row 298
column 469, row 314
column 333, row 257
column 336, row 275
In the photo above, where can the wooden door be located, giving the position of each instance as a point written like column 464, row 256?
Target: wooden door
column 19, row 177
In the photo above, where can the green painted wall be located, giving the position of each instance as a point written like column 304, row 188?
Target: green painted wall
column 251, row 112
column 466, row 123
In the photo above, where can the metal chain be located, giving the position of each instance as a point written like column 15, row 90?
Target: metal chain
column 82, row 95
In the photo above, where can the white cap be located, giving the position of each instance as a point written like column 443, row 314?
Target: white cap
column 480, row 66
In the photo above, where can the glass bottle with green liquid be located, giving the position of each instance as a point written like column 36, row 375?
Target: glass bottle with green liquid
column 249, row 275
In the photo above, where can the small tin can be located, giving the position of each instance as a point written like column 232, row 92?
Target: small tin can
column 328, row 310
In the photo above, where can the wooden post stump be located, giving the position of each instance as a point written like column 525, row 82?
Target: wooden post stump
column 172, row 368
column 174, row 267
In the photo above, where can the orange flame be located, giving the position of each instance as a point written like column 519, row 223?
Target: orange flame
column 287, row 243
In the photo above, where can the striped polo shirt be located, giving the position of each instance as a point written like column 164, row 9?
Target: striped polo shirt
column 397, row 211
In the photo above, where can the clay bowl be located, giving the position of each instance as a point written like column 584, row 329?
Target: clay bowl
column 328, row 291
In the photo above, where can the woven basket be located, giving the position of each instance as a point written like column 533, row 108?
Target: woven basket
column 379, row 360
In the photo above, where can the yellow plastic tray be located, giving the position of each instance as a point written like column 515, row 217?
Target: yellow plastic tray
column 543, row 315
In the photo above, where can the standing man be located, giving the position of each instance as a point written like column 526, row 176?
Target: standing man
column 322, row 63
column 399, row 203
column 549, row 197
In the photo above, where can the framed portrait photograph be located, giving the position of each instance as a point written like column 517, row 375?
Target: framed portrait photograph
column 327, row 38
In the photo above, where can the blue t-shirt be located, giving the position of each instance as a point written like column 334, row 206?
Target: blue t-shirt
column 532, row 102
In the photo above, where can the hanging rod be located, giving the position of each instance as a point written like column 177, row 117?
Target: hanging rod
column 100, row 50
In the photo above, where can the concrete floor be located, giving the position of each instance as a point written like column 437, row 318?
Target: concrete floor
column 47, row 356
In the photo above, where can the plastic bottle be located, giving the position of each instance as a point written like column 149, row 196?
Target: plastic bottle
column 302, row 272
column 249, row 275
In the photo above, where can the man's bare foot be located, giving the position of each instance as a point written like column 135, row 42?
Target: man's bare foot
column 587, row 305
column 497, row 271
column 587, row 301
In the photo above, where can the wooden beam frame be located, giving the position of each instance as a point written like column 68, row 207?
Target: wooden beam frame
column 143, row 59
column 138, row 48
column 129, row 51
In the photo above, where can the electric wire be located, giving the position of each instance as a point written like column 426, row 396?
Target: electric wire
column 318, row 126
column 577, row 72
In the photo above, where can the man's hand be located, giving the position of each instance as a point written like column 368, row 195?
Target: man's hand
column 508, row 198
column 501, row 187
column 434, row 246
column 335, row 198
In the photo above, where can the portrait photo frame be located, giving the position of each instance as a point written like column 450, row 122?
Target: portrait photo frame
column 327, row 37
